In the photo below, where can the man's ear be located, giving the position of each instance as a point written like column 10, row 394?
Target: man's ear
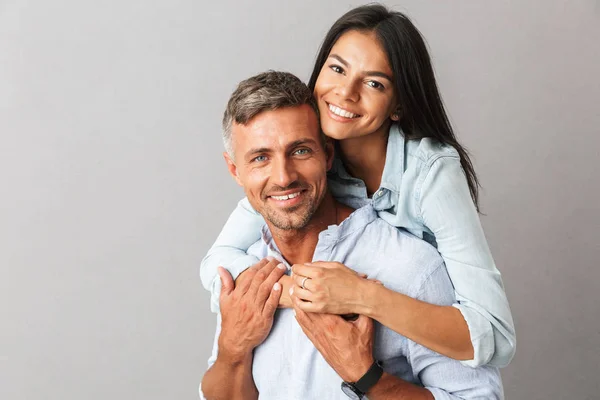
column 330, row 152
column 232, row 168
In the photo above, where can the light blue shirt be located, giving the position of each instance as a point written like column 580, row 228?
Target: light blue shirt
column 288, row 366
column 423, row 190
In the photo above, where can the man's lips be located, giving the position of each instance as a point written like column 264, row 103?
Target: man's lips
column 286, row 195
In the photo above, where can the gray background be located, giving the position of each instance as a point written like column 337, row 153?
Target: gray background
column 113, row 183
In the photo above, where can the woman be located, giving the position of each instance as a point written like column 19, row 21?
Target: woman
column 378, row 99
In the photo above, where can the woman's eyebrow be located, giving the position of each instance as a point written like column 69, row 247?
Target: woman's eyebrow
column 369, row 73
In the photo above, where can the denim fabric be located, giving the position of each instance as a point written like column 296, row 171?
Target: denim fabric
column 423, row 190
column 288, row 366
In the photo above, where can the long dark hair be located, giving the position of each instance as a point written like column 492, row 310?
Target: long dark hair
column 421, row 108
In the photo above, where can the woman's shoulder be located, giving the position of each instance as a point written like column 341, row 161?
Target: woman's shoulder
column 427, row 150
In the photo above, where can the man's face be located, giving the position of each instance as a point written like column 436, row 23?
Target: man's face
column 281, row 163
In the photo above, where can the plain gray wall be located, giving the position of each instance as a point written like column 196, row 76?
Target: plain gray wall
column 114, row 186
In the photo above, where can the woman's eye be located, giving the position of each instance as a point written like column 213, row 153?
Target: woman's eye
column 337, row 69
column 375, row 85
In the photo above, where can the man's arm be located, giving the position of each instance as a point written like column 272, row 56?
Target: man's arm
column 246, row 320
column 230, row 378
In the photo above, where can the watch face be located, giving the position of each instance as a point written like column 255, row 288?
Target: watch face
column 350, row 391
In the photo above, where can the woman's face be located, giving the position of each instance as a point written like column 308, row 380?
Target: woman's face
column 354, row 89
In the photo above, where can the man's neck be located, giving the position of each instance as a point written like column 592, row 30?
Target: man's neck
column 297, row 246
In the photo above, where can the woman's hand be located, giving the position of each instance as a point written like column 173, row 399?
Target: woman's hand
column 328, row 287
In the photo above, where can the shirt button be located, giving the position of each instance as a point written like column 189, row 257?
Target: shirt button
column 379, row 193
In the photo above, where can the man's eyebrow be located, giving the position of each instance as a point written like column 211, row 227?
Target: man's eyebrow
column 300, row 142
column 257, row 150
column 369, row 73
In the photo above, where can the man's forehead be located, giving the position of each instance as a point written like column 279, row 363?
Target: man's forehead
column 277, row 128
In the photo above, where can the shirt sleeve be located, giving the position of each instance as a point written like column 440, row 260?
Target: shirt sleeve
column 444, row 377
column 241, row 230
column 447, row 210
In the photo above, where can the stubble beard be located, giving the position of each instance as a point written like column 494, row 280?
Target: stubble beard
column 293, row 218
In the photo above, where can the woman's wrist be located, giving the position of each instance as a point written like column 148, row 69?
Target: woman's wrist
column 370, row 293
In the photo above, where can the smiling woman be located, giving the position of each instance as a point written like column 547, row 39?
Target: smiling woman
column 355, row 90
column 376, row 92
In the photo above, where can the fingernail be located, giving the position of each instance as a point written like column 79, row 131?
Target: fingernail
column 270, row 258
column 291, row 291
column 277, row 286
column 281, row 266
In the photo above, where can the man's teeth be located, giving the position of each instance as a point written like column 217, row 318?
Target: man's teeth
column 341, row 112
column 286, row 197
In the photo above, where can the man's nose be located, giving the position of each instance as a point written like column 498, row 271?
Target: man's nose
column 284, row 172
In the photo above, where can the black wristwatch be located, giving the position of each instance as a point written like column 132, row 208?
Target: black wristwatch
column 356, row 390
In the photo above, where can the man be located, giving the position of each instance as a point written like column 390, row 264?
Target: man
column 277, row 153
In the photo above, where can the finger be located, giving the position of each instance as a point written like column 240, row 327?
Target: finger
column 327, row 264
column 364, row 276
column 226, row 282
column 307, row 270
column 303, row 283
column 265, row 288
column 302, row 317
column 306, row 306
column 261, row 276
column 302, row 294
column 273, row 300
column 249, row 274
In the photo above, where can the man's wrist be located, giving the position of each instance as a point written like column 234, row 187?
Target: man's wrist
column 360, row 369
column 234, row 355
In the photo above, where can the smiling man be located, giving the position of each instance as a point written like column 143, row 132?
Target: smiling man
column 277, row 153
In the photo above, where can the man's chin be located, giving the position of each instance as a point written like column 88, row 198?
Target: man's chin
column 287, row 221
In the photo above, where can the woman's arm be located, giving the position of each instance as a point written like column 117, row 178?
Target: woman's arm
column 478, row 329
column 447, row 210
column 334, row 288
column 241, row 230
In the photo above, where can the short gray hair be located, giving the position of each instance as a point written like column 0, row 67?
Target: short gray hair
column 265, row 92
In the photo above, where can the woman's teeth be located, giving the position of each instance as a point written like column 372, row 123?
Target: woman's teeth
column 286, row 197
column 341, row 112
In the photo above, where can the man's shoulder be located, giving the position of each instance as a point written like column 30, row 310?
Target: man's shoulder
column 401, row 237
column 400, row 245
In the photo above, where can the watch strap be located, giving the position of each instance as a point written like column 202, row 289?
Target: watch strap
column 370, row 378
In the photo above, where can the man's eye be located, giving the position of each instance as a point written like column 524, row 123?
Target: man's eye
column 302, row 152
column 259, row 158
column 336, row 69
column 376, row 85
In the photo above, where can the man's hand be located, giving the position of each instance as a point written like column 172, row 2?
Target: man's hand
column 247, row 310
column 286, row 283
column 346, row 346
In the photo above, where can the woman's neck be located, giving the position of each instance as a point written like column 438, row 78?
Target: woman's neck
column 364, row 157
